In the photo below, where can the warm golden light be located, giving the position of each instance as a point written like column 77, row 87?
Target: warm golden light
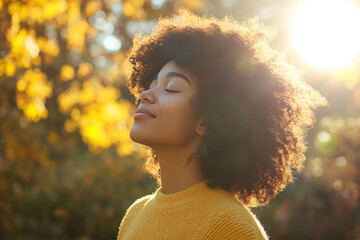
column 326, row 32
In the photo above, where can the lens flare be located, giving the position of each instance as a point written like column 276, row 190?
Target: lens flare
column 326, row 32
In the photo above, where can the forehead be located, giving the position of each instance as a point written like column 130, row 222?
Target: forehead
column 171, row 66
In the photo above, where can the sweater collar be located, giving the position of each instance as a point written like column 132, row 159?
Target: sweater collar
column 196, row 194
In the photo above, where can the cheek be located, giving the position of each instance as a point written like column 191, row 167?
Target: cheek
column 178, row 118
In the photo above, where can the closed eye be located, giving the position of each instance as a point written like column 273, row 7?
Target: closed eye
column 170, row 90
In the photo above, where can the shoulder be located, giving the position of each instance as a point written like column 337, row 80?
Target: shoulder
column 134, row 208
column 233, row 220
column 138, row 204
column 131, row 212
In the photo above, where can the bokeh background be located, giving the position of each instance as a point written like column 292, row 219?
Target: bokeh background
column 68, row 169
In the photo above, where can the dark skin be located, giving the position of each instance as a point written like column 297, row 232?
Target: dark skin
column 174, row 133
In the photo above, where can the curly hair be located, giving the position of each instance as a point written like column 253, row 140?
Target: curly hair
column 257, row 107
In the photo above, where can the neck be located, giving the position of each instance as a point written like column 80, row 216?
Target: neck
column 179, row 166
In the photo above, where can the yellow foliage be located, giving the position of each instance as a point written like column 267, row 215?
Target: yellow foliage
column 48, row 46
column 10, row 68
column 37, row 61
column 69, row 98
column 18, row 42
column 67, row 72
column 77, row 27
column 114, row 111
column 14, row 8
column 24, row 62
column 93, row 132
column 107, row 94
column 100, row 117
column 35, row 110
column 34, row 84
column 70, row 125
column 193, row 4
column 54, row 8
column 125, row 149
column 32, row 90
column 31, row 46
column 118, row 57
column 129, row 9
column 24, row 51
column 84, row 70
column 137, row 3
column 134, row 9
column 88, row 92
column 76, row 35
column 73, row 11
column 37, row 11
column 60, row 20
column 23, row 12
column 94, row 109
column 92, row 7
column 15, row 26
column 75, row 114
column 36, row 14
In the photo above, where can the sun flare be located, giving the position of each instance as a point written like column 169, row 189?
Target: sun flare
column 326, row 32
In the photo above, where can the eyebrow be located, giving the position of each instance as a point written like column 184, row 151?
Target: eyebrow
column 175, row 74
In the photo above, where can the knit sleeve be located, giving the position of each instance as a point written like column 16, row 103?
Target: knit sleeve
column 231, row 225
column 131, row 213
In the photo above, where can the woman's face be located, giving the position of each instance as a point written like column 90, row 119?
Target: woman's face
column 174, row 122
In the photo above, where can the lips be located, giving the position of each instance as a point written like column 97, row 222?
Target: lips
column 146, row 111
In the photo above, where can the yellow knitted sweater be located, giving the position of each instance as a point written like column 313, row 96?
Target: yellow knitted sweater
column 197, row 212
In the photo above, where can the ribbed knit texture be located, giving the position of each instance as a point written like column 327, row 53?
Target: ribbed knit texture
column 197, row 212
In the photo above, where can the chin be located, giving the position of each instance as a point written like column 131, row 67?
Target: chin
column 135, row 136
column 140, row 137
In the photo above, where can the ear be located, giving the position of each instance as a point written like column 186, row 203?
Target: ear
column 201, row 127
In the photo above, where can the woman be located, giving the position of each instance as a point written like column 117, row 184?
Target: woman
column 223, row 116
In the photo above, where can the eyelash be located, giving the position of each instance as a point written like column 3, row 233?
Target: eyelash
column 165, row 90
column 170, row 90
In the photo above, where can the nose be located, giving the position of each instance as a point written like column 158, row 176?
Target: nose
column 146, row 95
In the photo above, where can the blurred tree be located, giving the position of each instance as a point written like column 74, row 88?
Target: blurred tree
column 324, row 203
column 68, row 169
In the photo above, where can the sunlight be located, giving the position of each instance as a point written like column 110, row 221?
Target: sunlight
column 325, row 32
